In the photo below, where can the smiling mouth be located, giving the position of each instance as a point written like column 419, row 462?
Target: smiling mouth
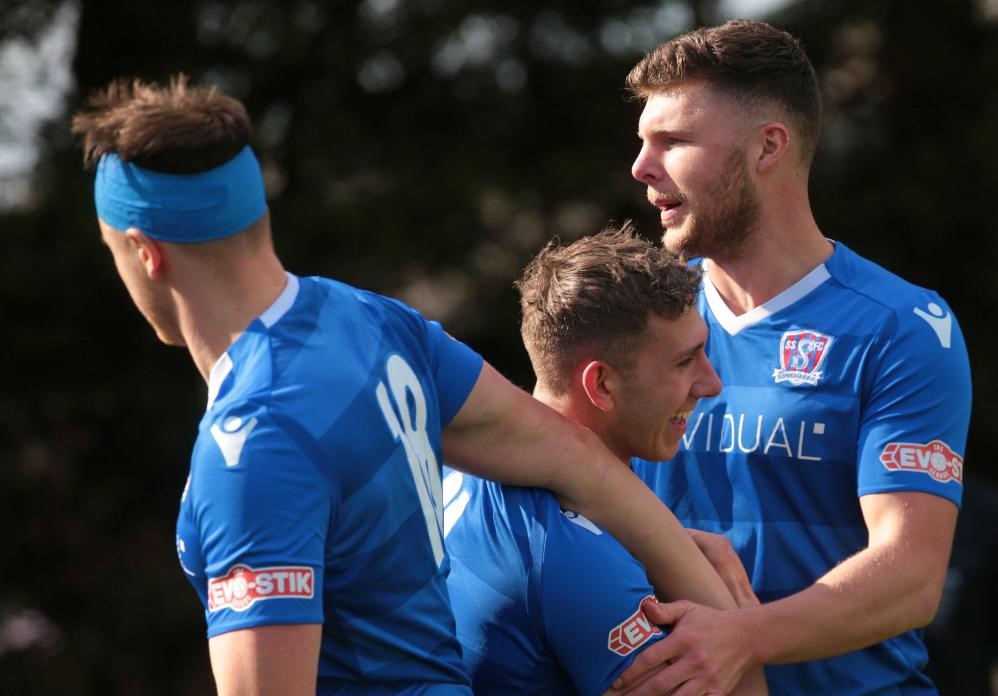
column 680, row 417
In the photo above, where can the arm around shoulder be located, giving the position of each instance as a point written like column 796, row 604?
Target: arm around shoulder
column 504, row 434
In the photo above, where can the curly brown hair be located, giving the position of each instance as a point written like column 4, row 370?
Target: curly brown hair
column 596, row 295
column 175, row 128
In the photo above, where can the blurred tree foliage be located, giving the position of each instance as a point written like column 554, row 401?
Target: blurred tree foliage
column 426, row 149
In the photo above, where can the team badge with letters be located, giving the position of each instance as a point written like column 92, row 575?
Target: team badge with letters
column 801, row 356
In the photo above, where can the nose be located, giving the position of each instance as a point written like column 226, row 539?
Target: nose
column 646, row 167
column 709, row 383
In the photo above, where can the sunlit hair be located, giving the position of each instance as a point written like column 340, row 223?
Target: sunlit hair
column 175, row 128
column 752, row 62
column 594, row 297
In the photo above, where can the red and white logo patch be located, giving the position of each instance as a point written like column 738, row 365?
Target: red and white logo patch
column 801, row 356
column 937, row 459
column 631, row 633
column 242, row 586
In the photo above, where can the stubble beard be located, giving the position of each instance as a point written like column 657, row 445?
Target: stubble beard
column 723, row 227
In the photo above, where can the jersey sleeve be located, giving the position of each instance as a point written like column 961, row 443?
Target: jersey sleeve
column 590, row 597
column 455, row 369
column 454, row 366
column 914, row 424
column 262, row 523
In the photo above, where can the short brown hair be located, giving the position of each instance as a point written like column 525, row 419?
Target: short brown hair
column 175, row 128
column 597, row 294
column 752, row 62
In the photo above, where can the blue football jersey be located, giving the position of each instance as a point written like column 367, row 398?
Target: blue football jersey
column 851, row 382
column 546, row 603
column 314, row 489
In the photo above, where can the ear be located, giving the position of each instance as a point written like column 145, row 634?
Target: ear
column 598, row 381
column 775, row 141
column 149, row 251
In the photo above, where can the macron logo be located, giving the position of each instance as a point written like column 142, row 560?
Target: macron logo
column 231, row 437
column 941, row 322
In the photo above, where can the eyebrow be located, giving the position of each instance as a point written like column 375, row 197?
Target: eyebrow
column 664, row 132
column 693, row 351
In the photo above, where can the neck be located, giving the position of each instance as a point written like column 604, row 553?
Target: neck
column 217, row 303
column 577, row 407
column 786, row 246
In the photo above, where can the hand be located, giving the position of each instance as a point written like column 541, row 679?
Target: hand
column 718, row 550
column 704, row 654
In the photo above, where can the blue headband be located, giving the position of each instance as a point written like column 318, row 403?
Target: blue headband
column 182, row 208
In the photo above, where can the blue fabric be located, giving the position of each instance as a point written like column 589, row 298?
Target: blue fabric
column 308, row 471
column 181, row 208
column 546, row 603
column 848, row 391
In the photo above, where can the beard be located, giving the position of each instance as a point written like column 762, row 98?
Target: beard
column 726, row 218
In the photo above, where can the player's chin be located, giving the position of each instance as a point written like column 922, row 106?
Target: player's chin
column 674, row 239
column 663, row 451
column 171, row 338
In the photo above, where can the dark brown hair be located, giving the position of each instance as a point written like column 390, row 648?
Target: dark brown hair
column 174, row 128
column 752, row 62
column 596, row 295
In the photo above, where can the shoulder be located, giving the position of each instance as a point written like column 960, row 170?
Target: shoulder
column 330, row 298
column 501, row 510
column 895, row 307
column 249, row 435
column 331, row 343
column 246, row 467
column 877, row 286
column 370, row 301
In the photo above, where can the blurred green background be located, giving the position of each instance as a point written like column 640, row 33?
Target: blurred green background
column 425, row 149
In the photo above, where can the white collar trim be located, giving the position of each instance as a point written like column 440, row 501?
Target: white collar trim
column 735, row 324
column 223, row 366
column 283, row 303
column 219, row 371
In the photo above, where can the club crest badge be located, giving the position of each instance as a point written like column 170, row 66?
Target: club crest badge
column 801, row 356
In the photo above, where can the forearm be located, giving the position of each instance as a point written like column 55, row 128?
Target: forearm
column 587, row 478
column 675, row 565
column 503, row 434
column 886, row 589
column 874, row 595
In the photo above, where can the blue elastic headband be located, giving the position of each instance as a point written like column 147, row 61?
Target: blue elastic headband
column 182, row 208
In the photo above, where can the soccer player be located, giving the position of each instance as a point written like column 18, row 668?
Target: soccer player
column 310, row 523
column 833, row 460
column 545, row 602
